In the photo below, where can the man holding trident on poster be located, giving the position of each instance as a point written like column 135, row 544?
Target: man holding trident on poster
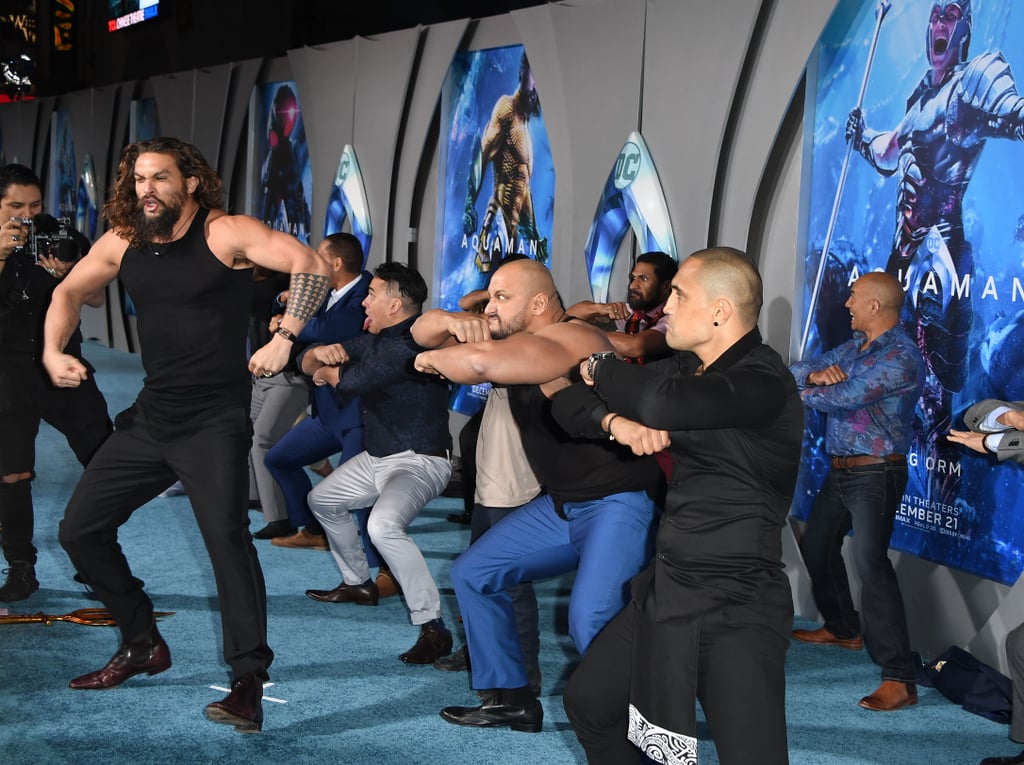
column 506, row 145
column 934, row 151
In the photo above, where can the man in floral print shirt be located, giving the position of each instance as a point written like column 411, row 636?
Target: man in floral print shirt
column 868, row 387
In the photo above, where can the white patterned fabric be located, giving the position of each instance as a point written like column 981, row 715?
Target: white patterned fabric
column 659, row 744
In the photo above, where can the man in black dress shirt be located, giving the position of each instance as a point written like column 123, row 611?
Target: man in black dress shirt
column 406, row 462
column 710, row 617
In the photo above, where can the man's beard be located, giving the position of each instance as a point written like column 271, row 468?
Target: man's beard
column 515, row 324
column 637, row 303
column 160, row 226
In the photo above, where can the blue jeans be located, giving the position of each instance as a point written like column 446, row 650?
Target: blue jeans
column 607, row 540
column 304, row 444
column 864, row 499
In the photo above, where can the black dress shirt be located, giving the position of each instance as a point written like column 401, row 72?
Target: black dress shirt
column 736, row 432
column 402, row 408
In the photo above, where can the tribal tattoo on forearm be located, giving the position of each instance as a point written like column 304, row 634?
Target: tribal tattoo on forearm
column 305, row 294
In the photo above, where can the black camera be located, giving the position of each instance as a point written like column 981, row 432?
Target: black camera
column 50, row 237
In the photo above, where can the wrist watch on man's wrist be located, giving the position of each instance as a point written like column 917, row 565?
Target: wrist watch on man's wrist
column 594, row 359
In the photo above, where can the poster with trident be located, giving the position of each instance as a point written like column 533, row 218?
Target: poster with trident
column 912, row 161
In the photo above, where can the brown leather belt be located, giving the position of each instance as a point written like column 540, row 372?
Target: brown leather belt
column 845, row 462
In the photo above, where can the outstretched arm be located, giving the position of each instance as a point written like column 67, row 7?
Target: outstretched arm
column 521, row 359
column 436, row 328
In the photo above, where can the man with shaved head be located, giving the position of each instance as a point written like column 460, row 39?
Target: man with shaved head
column 868, row 387
column 598, row 510
column 711, row 615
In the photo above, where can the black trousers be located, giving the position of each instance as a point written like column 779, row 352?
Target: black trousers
column 740, row 684
column 130, row 469
column 80, row 414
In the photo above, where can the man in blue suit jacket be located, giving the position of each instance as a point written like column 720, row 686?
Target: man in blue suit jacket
column 333, row 428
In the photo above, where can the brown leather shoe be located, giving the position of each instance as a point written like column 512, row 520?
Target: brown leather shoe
column 433, row 643
column 386, row 583
column 822, row 636
column 302, row 540
column 149, row 654
column 360, row 594
column 890, row 696
column 243, row 707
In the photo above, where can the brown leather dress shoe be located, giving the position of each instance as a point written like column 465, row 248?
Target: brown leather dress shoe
column 890, row 696
column 302, row 540
column 149, row 655
column 433, row 643
column 243, row 707
column 360, row 594
column 822, row 636
column 386, row 583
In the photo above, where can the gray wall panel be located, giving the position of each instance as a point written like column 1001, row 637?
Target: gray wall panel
column 413, row 225
column 209, row 106
column 175, row 102
column 384, row 69
column 692, row 65
column 327, row 111
column 233, row 136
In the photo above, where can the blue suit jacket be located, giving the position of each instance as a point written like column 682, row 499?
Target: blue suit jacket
column 342, row 322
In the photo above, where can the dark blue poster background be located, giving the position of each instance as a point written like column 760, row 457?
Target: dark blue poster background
column 960, row 508
column 284, row 176
column 476, row 81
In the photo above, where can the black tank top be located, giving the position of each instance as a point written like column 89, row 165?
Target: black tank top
column 193, row 316
column 575, row 470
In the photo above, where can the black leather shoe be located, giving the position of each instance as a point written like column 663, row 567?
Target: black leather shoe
column 495, row 712
column 275, row 529
column 149, row 654
column 21, row 582
column 1018, row 760
column 243, row 707
column 457, row 661
column 360, row 594
column 433, row 643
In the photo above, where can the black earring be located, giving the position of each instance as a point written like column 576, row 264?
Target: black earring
column 715, row 323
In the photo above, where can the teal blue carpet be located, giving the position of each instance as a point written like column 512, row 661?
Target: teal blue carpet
column 339, row 693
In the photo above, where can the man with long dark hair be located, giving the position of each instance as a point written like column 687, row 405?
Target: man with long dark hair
column 186, row 264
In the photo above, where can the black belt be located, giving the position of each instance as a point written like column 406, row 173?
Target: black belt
column 845, row 462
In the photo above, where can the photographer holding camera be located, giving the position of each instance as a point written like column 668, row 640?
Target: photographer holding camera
column 36, row 252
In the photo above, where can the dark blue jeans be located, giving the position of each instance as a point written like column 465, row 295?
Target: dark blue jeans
column 304, row 444
column 864, row 499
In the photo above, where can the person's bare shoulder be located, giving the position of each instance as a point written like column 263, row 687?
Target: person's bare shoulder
column 579, row 337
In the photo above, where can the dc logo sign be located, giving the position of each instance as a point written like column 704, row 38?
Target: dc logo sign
column 627, row 166
column 343, row 168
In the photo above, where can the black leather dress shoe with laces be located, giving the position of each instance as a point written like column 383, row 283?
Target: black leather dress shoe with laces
column 21, row 582
column 499, row 711
column 275, row 529
column 148, row 654
column 433, row 643
column 243, row 707
column 457, row 661
column 1017, row 760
